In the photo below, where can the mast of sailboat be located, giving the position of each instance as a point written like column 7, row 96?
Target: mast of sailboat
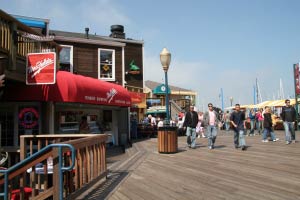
column 258, row 94
column 281, row 92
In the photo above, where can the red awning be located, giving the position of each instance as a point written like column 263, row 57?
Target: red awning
column 72, row 88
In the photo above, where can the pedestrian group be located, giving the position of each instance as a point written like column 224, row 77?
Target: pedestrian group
column 208, row 123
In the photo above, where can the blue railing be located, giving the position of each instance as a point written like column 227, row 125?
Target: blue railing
column 34, row 156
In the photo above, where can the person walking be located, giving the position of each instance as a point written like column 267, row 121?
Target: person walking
column 199, row 127
column 211, row 122
column 227, row 120
column 259, row 119
column 252, row 121
column 190, row 123
column 237, row 119
column 268, row 126
column 288, row 116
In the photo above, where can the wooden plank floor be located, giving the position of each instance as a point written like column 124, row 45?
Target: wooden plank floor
column 265, row 171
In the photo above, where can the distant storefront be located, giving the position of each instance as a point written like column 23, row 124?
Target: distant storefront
column 59, row 108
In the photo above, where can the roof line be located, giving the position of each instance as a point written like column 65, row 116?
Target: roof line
column 89, row 41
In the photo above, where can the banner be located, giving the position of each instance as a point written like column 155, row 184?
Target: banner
column 296, row 77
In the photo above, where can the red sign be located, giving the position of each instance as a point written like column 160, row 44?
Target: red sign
column 296, row 78
column 40, row 68
column 137, row 97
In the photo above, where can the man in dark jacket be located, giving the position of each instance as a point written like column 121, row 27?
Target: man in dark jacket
column 237, row 119
column 190, row 123
column 288, row 115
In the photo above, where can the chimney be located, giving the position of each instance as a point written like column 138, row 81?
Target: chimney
column 87, row 32
column 117, row 31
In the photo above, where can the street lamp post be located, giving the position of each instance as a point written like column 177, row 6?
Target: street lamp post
column 231, row 100
column 165, row 59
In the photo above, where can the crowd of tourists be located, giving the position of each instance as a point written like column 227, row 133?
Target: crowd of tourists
column 263, row 121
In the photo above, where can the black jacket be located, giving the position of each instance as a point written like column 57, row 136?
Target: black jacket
column 288, row 114
column 267, row 120
column 191, row 119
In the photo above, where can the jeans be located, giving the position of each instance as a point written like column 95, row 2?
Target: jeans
column 242, row 141
column 227, row 126
column 259, row 126
column 236, row 137
column 191, row 132
column 252, row 123
column 289, row 131
column 269, row 130
column 211, row 135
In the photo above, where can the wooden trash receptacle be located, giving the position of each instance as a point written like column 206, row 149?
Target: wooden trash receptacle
column 167, row 140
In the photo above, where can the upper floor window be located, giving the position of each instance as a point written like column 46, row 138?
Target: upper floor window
column 106, row 64
column 66, row 58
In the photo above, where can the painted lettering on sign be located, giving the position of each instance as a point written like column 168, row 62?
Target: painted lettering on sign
column 36, row 69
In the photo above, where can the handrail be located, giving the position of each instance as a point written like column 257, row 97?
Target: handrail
column 6, row 172
column 177, row 107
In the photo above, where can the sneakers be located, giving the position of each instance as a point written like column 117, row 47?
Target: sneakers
column 265, row 140
column 294, row 141
column 275, row 139
column 287, row 142
column 244, row 148
column 198, row 136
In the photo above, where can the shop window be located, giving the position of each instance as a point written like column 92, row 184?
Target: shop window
column 69, row 121
column 7, row 128
column 106, row 64
column 66, row 58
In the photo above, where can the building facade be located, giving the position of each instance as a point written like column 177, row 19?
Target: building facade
column 96, row 79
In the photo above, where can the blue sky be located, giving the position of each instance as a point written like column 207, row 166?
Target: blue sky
column 214, row 43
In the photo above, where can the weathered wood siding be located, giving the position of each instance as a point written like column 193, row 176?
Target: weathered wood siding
column 134, row 52
column 85, row 59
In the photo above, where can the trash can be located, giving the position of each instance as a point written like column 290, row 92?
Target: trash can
column 167, row 139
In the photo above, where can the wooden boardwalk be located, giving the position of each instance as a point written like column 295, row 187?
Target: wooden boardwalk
column 265, row 171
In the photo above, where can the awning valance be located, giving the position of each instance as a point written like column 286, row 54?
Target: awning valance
column 72, row 88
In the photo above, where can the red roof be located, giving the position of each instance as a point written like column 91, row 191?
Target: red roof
column 72, row 88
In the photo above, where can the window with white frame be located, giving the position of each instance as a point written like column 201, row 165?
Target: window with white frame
column 66, row 58
column 106, row 64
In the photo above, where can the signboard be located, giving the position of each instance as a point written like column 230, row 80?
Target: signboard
column 296, row 77
column 161, row 89
column 137, row 97
column 40, row 68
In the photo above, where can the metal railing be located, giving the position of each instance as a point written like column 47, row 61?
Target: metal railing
column 28, row 162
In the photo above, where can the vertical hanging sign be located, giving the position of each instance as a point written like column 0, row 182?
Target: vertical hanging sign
column 41, row 68
column 296, row 78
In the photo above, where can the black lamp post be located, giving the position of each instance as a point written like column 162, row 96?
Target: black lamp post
column 231, row 100
column 165, row 59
